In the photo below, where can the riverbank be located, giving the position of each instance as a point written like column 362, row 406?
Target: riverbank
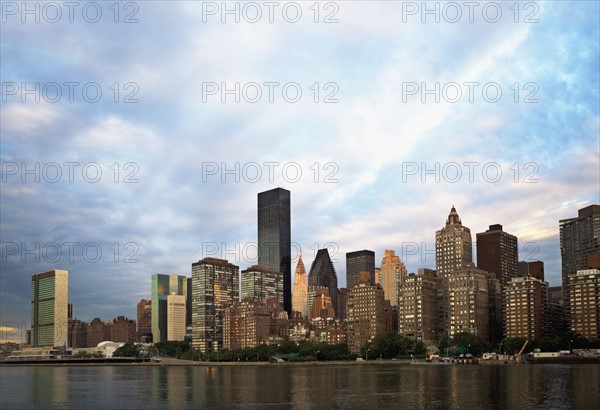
column 178, row 362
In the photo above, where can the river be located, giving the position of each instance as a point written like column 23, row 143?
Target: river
column 300, row 387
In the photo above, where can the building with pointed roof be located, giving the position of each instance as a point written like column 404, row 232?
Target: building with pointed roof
column 300, row 289
column 322, row 274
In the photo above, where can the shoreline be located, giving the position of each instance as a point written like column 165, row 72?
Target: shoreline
column 178, row 362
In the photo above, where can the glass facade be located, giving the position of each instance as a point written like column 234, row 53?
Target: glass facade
column 162, row 287
column 274, row 237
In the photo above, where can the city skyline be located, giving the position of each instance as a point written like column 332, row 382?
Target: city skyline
column 379, row 167
column 341, row 279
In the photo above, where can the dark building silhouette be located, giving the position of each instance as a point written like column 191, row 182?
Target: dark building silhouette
column 497, row 253
column 342, row 303
column 359, row 261
column 77, row 333
column 534, row 269
column 188, row 304
column 322, row 274
column 144, row 320
column 274, row 237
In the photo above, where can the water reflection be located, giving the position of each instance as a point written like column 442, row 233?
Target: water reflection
column 302, row 387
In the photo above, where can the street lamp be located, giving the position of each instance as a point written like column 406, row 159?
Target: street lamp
column 317, row 356
column 570, row 341
column 500, row 347
column 368, row 350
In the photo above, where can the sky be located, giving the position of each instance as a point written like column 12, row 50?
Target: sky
column 135, row 136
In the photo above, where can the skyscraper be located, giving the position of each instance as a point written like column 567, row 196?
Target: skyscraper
column 585, row 303
column 468, row 297
column 393, row 273
column 497, row 253
column 274, row 237
column 322, row 274
column 579, row 237
column 49, row 308
column 359, row 261
column 176, row 315
column 453, row 252
column 261, row 283
column 525, row 307
column 215, row 286
column 453, row 246
column 418, row 307
column 162, row 287
column 366, row 314
column 468, row 302
column 144, row 319
column 300, row 291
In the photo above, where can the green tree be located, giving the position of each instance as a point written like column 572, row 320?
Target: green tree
column 127, row 350
column 465, row 342
column 390, row 345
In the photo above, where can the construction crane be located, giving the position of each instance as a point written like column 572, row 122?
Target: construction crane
column 520, row 358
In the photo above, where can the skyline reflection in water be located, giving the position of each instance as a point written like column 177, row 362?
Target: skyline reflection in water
column 300, row 387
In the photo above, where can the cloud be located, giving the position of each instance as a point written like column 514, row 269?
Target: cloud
column 365, row 141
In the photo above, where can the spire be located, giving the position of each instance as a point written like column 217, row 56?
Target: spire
column 300, row 269
column 453, row 218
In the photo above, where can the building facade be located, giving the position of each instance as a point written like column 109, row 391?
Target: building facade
column 418, row 307
column 274, row 237
column 497, row 253
column 366, row 314
column 525, row 307
column 579, row 237
column 468, row 303
column 97, row 332
column 162, row 287
column 144, row 320
column 359, row 261
column 392, row 274
column 585, row 303
column 261, row 283
column 453, row 246
column 122, row 330
column 176, row 317
column 322, row 274
column 246, row 324
column 342, row 303
column 77, row 334
column 453, row 252
column 300, row 291
column 322, row 305
column 215, row 286
column 534, row 269
column 49, row 309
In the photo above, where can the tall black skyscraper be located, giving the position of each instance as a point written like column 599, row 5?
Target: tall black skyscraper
column 274, row 237
column 356, row 262
column 322, row 274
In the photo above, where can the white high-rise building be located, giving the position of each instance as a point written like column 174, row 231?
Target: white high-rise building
column 176, row 317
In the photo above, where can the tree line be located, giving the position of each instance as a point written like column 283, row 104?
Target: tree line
column 384, row 346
